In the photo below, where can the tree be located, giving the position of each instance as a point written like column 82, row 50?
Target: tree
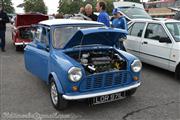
column 35, row 6
column 70, row 6
column 109, row 6
column 8, row 7
column 73, row 6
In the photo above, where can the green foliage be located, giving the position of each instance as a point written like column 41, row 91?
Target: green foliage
column 35, row 6
column 109, row 6
column 69, row 6
column 73, row 6
column 8, row 7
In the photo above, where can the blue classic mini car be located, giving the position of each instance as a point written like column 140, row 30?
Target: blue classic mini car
column 80, row 60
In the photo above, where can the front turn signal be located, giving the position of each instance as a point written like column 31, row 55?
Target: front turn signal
column 135, row 78
column 74, row 88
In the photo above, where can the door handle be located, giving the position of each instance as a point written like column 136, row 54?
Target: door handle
column 144, row 42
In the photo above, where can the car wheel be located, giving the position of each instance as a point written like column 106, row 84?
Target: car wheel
column 177, row 72
column 18, row 48
column 129, row 93
column 56, row 98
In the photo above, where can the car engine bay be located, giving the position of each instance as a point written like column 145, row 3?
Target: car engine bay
column 97, row 61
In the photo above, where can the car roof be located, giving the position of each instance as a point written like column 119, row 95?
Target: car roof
column 68, row 22
column 156, row 20
column 30, row 13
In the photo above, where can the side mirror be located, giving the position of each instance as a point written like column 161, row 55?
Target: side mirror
column 164, row 40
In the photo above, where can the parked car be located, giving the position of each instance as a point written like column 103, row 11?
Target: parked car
column 21, row 31
column 177, row 15
column 156, row 42
column 79, row 60
column 132, row 10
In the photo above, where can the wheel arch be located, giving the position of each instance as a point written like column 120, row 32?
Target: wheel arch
column 56, row 80
column 178, row 66
column 177, row 72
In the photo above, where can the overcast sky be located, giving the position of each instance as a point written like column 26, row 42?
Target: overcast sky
column 51, row 4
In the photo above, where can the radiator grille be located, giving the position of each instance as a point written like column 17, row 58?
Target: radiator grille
column 105, row 80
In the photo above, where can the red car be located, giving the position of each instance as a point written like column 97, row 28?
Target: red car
column 21, row 33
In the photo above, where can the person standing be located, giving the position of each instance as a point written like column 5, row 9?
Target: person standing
column 119, row 20
column 103, row 16
column 81, row 10
column 89, row 12
column 3, row 20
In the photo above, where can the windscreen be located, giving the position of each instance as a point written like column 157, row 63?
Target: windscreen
column 174, row 29
column 62, row 35
column 135, row 13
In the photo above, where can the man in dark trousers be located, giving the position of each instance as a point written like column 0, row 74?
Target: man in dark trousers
column 3, row 20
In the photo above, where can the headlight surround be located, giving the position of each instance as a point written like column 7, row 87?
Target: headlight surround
column 74, row 74
column 136, row 66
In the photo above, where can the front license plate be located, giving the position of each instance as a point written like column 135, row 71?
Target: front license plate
column 106, row 98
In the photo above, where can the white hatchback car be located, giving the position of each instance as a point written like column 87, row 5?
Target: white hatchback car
column 156, row 42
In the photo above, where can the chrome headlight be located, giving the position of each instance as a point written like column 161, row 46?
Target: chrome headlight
column 136, row 66
column 74, row 74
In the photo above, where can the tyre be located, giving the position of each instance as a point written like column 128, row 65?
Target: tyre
column 18, row 48
column 129, row 93
column 177, row 72
column 56, row 98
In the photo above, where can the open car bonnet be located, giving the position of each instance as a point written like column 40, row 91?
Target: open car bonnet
column 90, row 36
column 29, row 19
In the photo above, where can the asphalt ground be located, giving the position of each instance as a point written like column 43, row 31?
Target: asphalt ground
column 25, row 97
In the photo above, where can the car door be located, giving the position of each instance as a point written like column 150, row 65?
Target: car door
column 37, row 53
column 152, row 49
column 132, row 44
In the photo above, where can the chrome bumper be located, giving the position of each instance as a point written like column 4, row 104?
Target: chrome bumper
column 22, row 43
column 91, row 95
